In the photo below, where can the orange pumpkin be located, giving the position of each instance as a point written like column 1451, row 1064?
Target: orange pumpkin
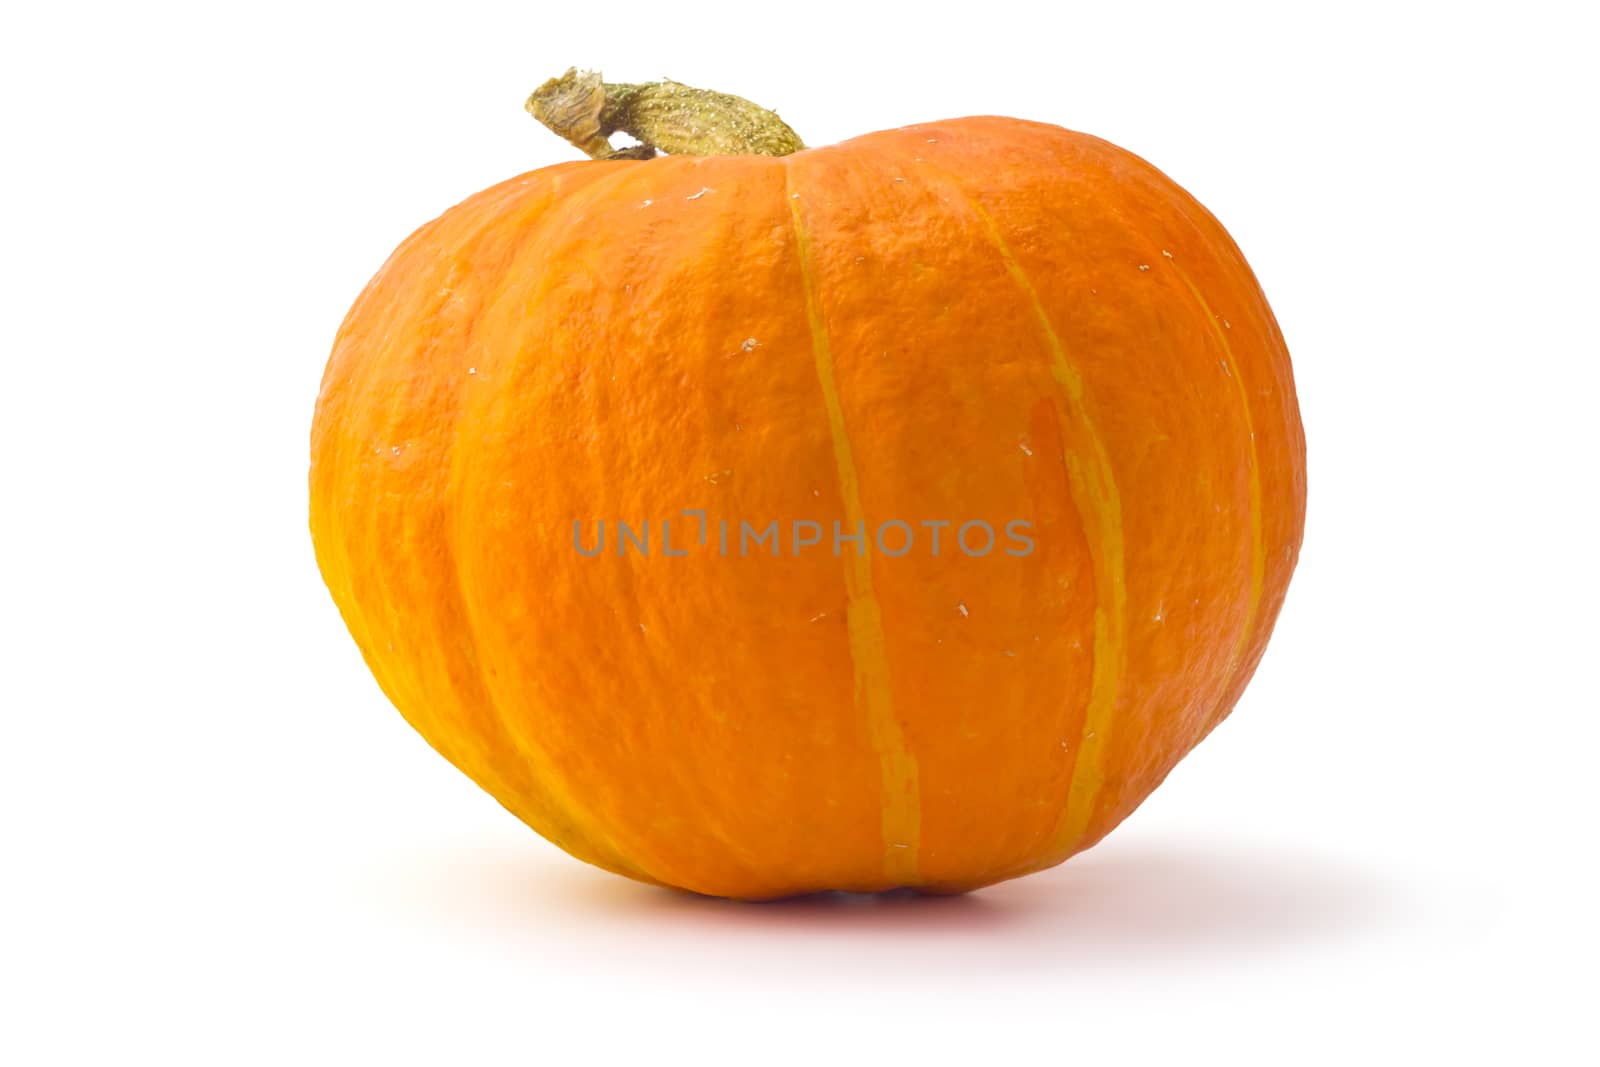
column 981, row 323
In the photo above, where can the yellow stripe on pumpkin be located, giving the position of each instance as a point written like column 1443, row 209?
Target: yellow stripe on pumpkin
column 902, row 808
column 1094, row 491
column 1258, row 554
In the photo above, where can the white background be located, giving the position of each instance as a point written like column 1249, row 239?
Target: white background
column 222, row 846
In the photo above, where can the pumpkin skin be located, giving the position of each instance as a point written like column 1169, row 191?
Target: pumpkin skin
column 982, row 318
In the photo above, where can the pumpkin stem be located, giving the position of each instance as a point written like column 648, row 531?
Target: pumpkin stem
column 664, row 116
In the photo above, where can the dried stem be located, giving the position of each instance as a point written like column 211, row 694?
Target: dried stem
column 664, row 116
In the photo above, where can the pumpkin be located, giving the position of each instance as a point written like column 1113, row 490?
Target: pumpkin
column 758, row 520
